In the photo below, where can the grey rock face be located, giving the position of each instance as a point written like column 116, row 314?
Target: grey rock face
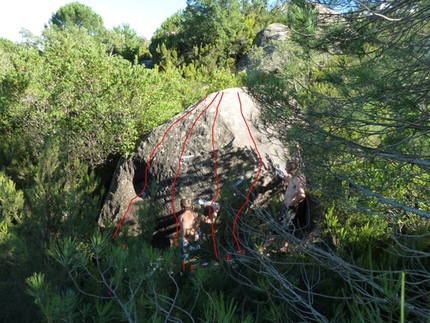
column 265, row 43
column 267, row 52
column 273, row 32
column 178, row 159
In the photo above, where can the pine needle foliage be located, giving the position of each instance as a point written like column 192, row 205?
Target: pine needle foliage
column 354, row 107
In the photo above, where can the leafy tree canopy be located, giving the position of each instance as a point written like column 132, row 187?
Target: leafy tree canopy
column 64, row 88
column 6, row 48
column 77, row 14
column 364, row 106
column 125, row 42
column 230, row 26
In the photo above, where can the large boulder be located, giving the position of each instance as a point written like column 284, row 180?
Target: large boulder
column 273, row 32
column 264, row 53
column 178, row 159
column 269, row 48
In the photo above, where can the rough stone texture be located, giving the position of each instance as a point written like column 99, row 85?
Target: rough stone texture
column 191, row 138
column 326, row 12
column 265, row 41
column 273, row 32
column 269, row 42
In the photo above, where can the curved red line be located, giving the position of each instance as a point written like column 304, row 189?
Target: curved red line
column 216, row 175
column 253, row 183
column 149, row 162
column 179, row 167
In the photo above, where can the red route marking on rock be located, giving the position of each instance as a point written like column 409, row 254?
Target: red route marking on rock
column 215, row 170
column 253, row 183
column 179, row 164
column 149, row 162
column 216, row 176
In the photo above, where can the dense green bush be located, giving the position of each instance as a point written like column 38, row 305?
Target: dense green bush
column 98, row 105
column 209, row 33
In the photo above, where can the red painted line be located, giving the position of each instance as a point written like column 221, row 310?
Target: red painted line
column 149, row 162
column 216, row 176
column 253, row 183
column 215, row 170
column 179, row 166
